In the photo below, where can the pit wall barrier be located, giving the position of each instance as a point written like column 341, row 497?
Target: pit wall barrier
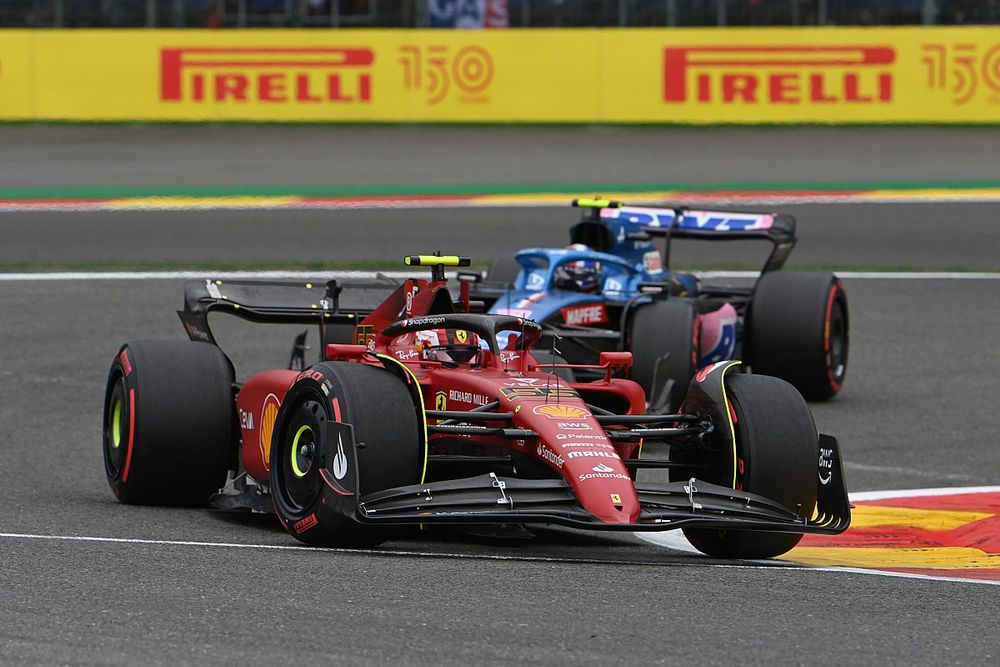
column 699, row 76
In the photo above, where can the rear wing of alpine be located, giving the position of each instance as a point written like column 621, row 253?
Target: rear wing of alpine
column 606, row 223
column 682, row 223
column 333, row 306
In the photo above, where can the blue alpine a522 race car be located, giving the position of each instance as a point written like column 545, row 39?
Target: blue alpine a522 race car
column 612, row 289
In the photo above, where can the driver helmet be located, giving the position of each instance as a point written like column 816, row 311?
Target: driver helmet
column 450, row 347
column 580, row 276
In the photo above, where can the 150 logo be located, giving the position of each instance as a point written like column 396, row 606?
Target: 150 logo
column 437, row 71
column 963, row 70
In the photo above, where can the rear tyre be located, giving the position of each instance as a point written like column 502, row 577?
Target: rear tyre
column 665, row 328
column 169, row 434
column 503, row 269
column 387, row 446
column 776, row 451
column 798, row 331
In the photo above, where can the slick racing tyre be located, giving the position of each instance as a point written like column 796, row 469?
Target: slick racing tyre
column 776, row 452
column 797, row 330
column 503, row 269
column 310, row 476
column 169, row 433
column 668, row 329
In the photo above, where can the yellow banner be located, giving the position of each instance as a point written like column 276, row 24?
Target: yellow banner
column 16, row 82
column 734, row 75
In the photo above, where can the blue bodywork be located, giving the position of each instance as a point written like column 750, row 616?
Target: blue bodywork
column 631, row 259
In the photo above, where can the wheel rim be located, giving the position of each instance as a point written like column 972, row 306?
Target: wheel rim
column 300, row 483
column 303, row 451
column 116, row 429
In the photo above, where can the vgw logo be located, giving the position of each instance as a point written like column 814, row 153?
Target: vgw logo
column 792, row 75
column 308, row 75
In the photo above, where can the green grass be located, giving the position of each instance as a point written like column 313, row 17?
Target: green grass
column 474, row 189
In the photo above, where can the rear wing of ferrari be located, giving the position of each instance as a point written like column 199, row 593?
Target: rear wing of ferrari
column 333, row 306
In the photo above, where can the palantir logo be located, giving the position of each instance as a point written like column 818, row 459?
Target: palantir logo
column 791, row 75
column 307, row 75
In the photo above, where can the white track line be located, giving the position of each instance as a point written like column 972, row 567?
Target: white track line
column 762, row 565
column 920, row 493
column 673, row 540
column 360, row 275
column 775, row 566
column 198, row 275
column 676, row 541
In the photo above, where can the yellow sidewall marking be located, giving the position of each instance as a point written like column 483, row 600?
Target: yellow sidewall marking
column 423, row 409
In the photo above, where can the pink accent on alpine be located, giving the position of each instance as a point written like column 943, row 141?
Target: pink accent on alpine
column 712, row 325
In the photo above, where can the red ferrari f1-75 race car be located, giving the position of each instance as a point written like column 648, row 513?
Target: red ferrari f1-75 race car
column 417, row 415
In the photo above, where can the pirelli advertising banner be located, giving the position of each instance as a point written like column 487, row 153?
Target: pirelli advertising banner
column 734, row 75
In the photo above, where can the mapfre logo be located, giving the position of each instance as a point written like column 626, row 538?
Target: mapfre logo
column 793, row 75
column 307, row 75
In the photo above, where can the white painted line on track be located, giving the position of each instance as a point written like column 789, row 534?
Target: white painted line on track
column 761, row 565
column 29, row 276
column 774, row 566
column 676, row 541
column 673, row 540
column 921, row 493
column 197, row 275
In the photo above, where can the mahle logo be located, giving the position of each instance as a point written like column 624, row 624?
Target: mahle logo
column 792, row 75
column 280, row 75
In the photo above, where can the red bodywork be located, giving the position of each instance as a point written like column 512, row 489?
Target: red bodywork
column 570, row 440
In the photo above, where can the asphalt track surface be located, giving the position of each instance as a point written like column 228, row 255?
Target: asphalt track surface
column 918, row 410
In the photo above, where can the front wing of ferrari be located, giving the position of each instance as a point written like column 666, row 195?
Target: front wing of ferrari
column 693, row 503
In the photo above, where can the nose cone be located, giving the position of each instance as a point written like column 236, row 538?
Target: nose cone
column 572, row 442
column 606, row 491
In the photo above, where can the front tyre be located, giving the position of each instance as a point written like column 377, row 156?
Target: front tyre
column 169, row 434
column 798, row 331
column 776, row 452
column 310, row 475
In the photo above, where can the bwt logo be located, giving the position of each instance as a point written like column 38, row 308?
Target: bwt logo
column 266, row 74
column 778, row 74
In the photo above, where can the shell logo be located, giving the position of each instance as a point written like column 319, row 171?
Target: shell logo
column 557, row 411
column 268, row 415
